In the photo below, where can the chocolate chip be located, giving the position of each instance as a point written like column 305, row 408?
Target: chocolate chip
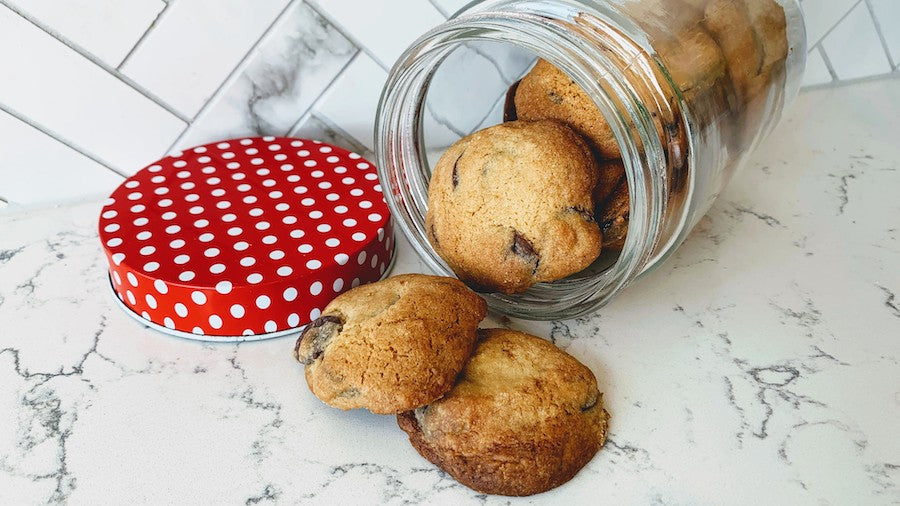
column 454, row 177
column 523, row 248
column 509, row 108
column 434, row 236
column 315, row 337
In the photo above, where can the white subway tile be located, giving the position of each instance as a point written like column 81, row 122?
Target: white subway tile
column 816, row 70
column 283, row 78
column 821, row 15
column 887, row 12
column 315, row 129
column 351, row 101
column 196, row 46
column 108, row 29
column 37, row 169
column 854, row 48
column 384, row 27
column 451, row 6
column 57, row 88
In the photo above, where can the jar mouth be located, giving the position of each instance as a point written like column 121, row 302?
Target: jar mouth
column 583, row 52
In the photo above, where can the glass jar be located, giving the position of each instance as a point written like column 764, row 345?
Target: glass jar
column 688, row 88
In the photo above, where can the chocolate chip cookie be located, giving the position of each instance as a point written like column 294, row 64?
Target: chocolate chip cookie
column 523, row 418
column 512, row 205
column 548, row 93
column 393, row 345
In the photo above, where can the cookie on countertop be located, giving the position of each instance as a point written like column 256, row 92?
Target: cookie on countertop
column 523, row 418
column 511, row 205
column 548, row 93
column 393, row 345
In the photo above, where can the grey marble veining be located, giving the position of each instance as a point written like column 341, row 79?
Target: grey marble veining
column 759, row 365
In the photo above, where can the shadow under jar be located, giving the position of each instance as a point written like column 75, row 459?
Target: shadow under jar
column 687, row 87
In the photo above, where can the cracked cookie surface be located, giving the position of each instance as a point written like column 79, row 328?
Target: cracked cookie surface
column 523, row 418
column 512, row 205
column 393, row 345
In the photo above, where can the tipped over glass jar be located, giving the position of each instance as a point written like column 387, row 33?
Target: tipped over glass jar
column 686, row 89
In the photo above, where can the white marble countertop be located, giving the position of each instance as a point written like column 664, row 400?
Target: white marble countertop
column 759, row 365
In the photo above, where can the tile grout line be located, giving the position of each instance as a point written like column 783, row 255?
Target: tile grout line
column 235, row 72
column 836, row 23
column 96, row 61
column 62, row 140
column 140, row 42
column 880, row 33
column 827, row 61
column 313, row 4
column 324, row 92
column 849, row 82
column 358, row 146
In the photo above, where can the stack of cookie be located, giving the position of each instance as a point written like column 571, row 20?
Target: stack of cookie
column 537, row 197
column 501, row 411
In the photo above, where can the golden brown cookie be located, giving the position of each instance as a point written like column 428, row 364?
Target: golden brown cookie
column 523, row 418
column 393, row 345
column 613, row 217
column 549, row 93
column 611, row 172
column 511, row 205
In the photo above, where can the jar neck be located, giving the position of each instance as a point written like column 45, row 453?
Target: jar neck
column 601, row 50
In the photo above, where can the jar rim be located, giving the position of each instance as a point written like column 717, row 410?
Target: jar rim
column 544, row 30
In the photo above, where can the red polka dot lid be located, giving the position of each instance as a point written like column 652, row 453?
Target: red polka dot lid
column 246, row 238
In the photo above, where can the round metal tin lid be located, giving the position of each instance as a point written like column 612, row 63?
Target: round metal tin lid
column 246, row 238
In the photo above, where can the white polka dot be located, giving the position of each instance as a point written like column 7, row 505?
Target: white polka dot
column 263, row 302
column 380, row 233
column 181, row 310
column 297, row 233
column 217, row 268
column 254, row 278
column 255, row 211
column 151, row 266
column 228, row 218
column 303, row 152
column 313, row 264
column 325, row 149
column 362, row 165
column 377, row 188
column 271, row 326
column 173, row 229
column 316, row 214
column 241, row 245
column 374, row 217
column 109, row 214
column 371, row 176
column 341, row 258
column 182, row 259
column 183, row 174
column 179, row 163
column 223, row 204
column 228, row 155
column 341, row 209
column 356, row 192
column 338, row 285
column 276, row 254
column 289, row 220
column 215, row 321
column 274, row 147
column 275, row 194
column 235, row 231
column 256, row 161
column 115, row 241
column 237, row 311
column 206, row 237
column 132, row 279
column 268, row 183
column 200, row 149
column 145, row 315
column 365, row 204
column 130, row 296
column 177, row 243
column 374, row 261
column 269, row 239
column 186, row 276
column 118, row 257
column 201, row 223
column 250, row 199
column 117, row 278
column 284, row 270
column 349, row 222
column 332, row 159
column 147, row 250
column 108, row 202
column 290, row 294
column 197, row 330
column 151, row 301
column 293, row 320
column 287, row 167
column 188, row 185
column 355, row 283
column 308, row 201
column 263, row 172
column 340, row 169
column 247, row 142
column 169, row 215
column 251, row 151
column 204, row 159
column 315, row 313
column 332, row 197
column 300, row 190
column 140, row 222
column 332, row 242
column 112, row 227
column 138, row 208
column 323, row 227
column 168, row 323
column 315, row 173
column 305, row 248
column 247, row 332
column 248, row 261
column 224, row 287
column 263, row 225
column 359, row 236
column 244, row 187
column 218, row 192
column 165, row 202
column 162, row 190
column 233, row 165
column 154, row 168
column 135, row 195
column 193, row 197
column 324, row 185
column 211, row 252
column 198, row 297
